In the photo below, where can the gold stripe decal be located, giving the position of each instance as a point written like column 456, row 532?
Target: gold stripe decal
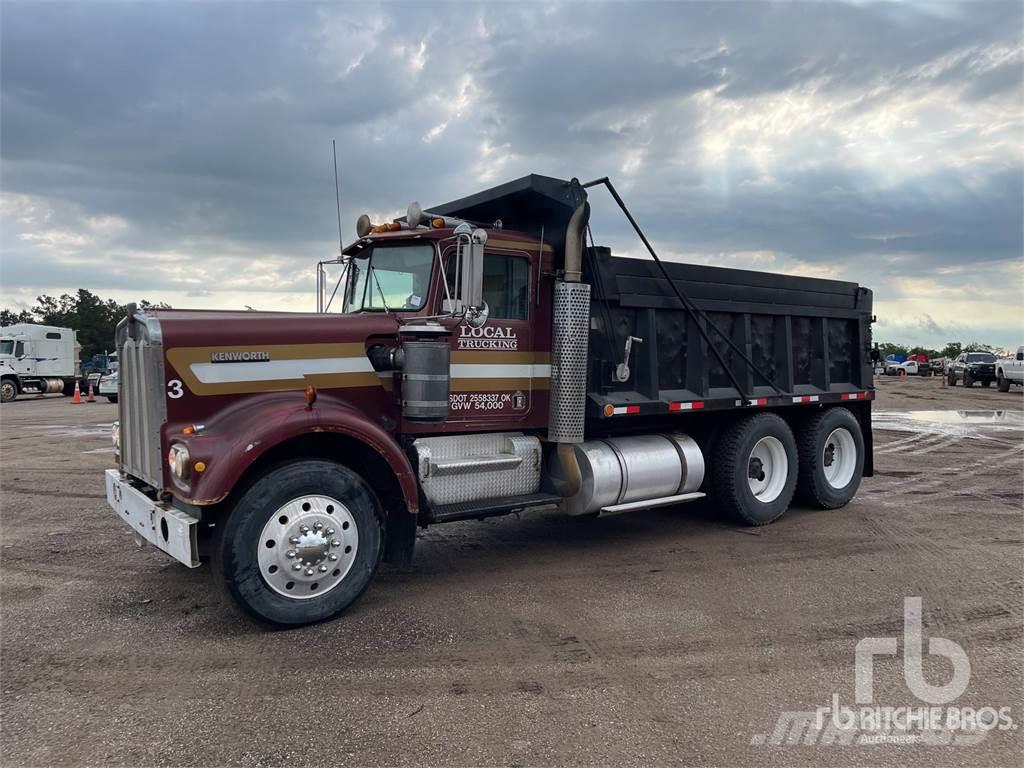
column 291, row 366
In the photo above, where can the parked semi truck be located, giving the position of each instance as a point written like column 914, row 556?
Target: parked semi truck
column 38, row 359
column 484, row 361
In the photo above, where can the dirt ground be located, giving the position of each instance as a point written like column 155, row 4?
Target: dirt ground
column 667, row 636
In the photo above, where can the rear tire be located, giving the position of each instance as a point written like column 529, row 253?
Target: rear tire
column 830, row 446
column 951, row 379
column 338, row 551
column 755, row 469
column 1004, row 383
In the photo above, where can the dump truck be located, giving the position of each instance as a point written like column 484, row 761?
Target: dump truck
column 482, row 360
column 38, row 360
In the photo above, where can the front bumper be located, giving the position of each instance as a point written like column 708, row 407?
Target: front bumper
column 160, row 524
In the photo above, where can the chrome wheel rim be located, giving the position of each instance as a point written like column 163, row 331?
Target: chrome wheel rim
column 308, row 547
column 767, row 469
column 7, row 391
column 839, row 458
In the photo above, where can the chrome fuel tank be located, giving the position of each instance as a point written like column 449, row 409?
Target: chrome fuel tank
column 627, row 469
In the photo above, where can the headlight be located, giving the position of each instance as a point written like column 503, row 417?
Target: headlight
column 177, row 460
column 115, row 436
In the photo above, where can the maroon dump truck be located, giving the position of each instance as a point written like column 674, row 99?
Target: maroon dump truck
column 484, row 360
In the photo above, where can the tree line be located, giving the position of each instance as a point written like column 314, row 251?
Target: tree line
column 94, row 318
column 951, row 350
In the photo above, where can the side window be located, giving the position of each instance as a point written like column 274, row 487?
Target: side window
column 19, row 349
column 507, row 286
column 53, row 335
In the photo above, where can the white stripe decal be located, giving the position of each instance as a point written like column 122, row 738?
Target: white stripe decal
column 473, row 371
column 277, row 370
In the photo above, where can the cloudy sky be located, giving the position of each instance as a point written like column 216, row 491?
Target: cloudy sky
column 181, row 151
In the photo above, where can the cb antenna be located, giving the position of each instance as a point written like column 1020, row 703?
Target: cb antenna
column 337, row 195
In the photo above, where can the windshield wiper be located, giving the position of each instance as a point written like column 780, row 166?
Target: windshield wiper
column 381, row 290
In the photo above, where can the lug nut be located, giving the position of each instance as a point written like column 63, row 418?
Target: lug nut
column 293, row 540
column 322, row 569
column 297, row 567
column 335, row 543
column 304, row 528
column 309, row 571
column 330, row 531
column 318, row 525
column 290, row 554
column 332, row 556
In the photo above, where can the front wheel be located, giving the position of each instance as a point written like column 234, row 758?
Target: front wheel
column 1004, row 383
column 301, row 544
column 755, row 469
column 951, row 379
column 968, row 381
column 8, row 390
column 831, row 451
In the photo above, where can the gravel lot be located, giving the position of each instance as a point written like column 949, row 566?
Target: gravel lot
column 661, row 637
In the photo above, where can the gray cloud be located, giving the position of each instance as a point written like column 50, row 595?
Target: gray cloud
column 885, row 138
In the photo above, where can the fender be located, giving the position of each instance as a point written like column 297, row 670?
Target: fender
column 237, row 437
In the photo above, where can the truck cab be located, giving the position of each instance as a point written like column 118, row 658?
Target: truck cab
column 37, row 359
column 480, row 361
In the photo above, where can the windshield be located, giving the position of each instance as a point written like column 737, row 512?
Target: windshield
column 389, row 277
column 981, row 357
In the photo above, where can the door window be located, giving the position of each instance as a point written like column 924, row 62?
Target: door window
column 507, row 287
column 19, row 349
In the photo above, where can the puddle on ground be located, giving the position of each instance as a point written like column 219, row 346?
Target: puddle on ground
column 956, row 423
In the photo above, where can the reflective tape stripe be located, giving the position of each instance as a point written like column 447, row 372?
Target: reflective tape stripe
column 693, row 406
column 755, row 401
column 805, row 399
column 622, row 410
column 855, row 395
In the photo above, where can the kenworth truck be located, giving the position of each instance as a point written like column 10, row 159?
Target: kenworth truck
column 484, row 361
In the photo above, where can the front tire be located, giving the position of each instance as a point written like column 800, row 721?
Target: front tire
column 8, row 391
column 1004, row 383
column 301, row 544
column 831, row 456
column 755, row 469
column 968, row 381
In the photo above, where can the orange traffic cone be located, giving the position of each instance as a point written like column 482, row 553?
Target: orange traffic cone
column 77, row 399
column 90, row 398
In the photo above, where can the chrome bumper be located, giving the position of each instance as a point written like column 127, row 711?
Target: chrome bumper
column 160, row 524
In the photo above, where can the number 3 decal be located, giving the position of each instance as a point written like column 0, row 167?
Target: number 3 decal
column 175, row 389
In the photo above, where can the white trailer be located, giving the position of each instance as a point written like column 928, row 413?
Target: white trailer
column 38, row 359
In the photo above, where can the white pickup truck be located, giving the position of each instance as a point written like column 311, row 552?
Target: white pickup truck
column 1010, row 370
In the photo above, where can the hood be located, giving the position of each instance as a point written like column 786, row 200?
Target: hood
column 237, row 353
column 227, row 329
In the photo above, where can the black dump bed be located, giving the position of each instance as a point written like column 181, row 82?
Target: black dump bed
column 808, row 339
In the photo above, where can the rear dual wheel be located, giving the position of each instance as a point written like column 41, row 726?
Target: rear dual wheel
column 831, row 451
column 759, row 465
column 301, row 544
column 755, row 469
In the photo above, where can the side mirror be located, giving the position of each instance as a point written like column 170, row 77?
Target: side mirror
column 473, row 270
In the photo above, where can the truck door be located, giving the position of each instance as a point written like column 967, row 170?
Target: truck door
column 499, row 378
column 24, row 365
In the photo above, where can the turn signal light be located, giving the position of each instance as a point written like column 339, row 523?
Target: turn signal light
column 310, row 395
column 199, row 466
column 437, row 223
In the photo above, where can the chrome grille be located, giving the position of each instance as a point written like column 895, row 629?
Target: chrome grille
column 140, row 404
